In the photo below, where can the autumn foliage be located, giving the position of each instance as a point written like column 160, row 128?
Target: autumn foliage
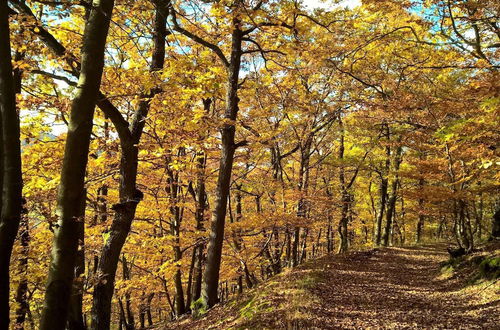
column 375, row 125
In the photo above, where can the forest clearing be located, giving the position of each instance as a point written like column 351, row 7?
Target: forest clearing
column 249, row 164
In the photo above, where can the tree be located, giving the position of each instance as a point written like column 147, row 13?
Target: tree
column 242, row 24
column 129, row 195
column 71, row 189
column 495, row 232
column 10, row 159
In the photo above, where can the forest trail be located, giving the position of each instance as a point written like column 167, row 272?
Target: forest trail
column 398, row 288
column 383, row 288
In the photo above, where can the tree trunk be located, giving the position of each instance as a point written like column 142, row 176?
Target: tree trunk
column 189, row 288
column 384, row 185
column 329, row 235
column 11, row 182
column 173, row 190
column 22, row 289
column 421, row 217
column 129, row 195
column 345, row 199
column 130, row 322
column 295, row 247
column 180, row 307
column 108, row 262
column 214, row 250
column 123, row 321
column 479, row 214
column 495, row 230
column 148, row 309
column 343, row 223
column 75, row 321
column 102, row 203
column 200, row 197
column 59, row 284
column 305, row 156
column 329, row 228
column 303, row 253
column 463, row 228
column 391, row 204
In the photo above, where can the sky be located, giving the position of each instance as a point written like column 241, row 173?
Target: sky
column 327, row 4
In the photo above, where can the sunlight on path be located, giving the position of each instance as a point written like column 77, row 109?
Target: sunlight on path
column 396, row 288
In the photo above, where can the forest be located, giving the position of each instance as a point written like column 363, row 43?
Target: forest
column 161, row 157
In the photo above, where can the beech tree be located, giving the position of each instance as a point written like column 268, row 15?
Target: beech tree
column 242, row 25
column 129, row 195
column 10, row 164
column 71, row 190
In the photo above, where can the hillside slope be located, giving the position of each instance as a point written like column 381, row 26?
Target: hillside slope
column 383, row 288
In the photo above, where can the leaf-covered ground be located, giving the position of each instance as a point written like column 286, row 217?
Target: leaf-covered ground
column 385, row 288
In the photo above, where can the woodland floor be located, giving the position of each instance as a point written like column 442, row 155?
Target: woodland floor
column 391, row 288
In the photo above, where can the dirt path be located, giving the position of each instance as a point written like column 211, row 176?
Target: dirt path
column 394, row 288
column 397, row 288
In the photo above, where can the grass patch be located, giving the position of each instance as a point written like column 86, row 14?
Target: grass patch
column 310, row 280
column 253, row 308
column 489, row 268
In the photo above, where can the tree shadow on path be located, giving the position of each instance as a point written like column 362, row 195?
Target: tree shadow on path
column 393, row 288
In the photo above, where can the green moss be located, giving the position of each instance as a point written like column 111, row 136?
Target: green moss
column 489, row 268
column 475, row 268
column 454, row 263
column 199, row 308
column 248, row 310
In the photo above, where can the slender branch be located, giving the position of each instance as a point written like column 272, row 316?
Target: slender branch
column 262, row 24
column 199, row 40
column 55, row 76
